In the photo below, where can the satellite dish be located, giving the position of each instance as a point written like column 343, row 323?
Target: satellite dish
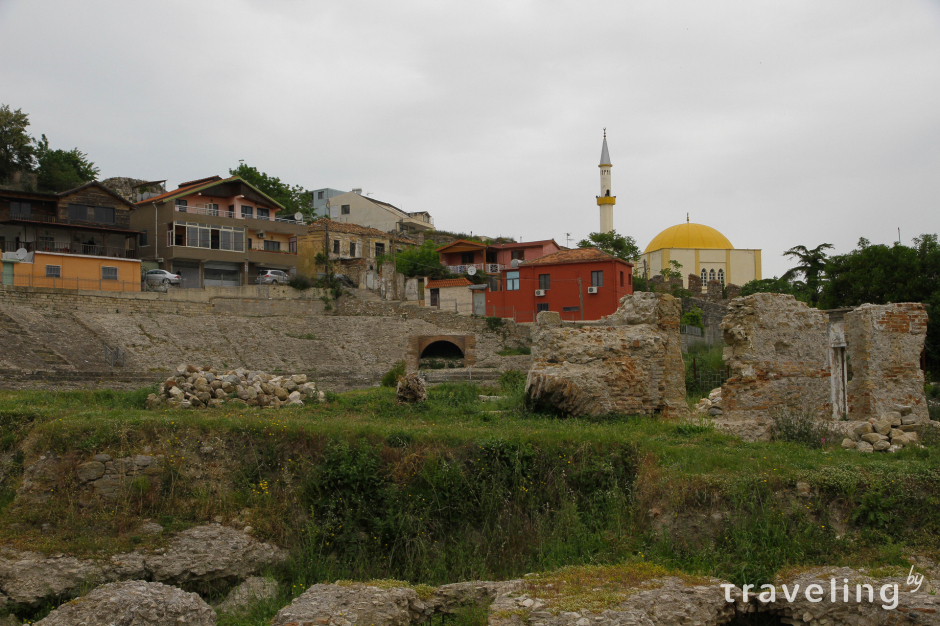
column 21, row 254
column 471, row 270
column 298, row 216
column 514, row 263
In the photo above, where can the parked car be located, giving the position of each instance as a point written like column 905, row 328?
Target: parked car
column 162, row 277
column 272, row 277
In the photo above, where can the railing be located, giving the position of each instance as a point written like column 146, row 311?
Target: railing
column 204, row 210
column 45, row 218
column 195, row 242
column 427, row 219
column 489, row 268
column 690, row 330
column 74, row 248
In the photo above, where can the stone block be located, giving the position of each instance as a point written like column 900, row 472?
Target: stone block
column 874, row 437
column 93, row 470
column 848, row 443
column 864, row 446
column 882, row 427
column 881, row 445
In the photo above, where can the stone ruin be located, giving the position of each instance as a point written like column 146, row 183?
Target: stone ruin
column 858, row 365
column 629, row 362
column 206, row 387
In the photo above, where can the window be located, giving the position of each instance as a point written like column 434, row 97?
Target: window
column 212, row 209
column 466, row 258
column 344, row 209
column 545, row 281
column 181, row 205
column 711, row 275
column 104, row 214
column 512, row 281
column 379, row 249
column 78, row 212
column 53, row 271
column 23, row 209
column 247, row 211
column 352, row 249
column 250, row 244
column 494, row 283
column 336, row 246
column 541, row 307
column 597, row 279
column 621, row 279
column 319, row 195
column 721, row 277
column 142, row 241
column 264, row 214
column 517, row 255
column 292, row 245
column 272, row 246
column 704, row 277
column 570, row 309
column 109, row 273
column 491, row 256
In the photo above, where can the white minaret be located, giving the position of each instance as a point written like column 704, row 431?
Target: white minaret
column 606, row 201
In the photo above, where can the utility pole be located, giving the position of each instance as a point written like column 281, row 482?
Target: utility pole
column 581, row 298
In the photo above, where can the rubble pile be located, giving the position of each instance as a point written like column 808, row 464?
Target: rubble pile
column 202, row 387
column 411, row 389
column 710, row 406
column 887, row 433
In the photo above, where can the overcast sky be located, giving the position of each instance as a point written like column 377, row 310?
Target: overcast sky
column 778, row 123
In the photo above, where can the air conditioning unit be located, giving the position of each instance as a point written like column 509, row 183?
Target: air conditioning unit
column 539, row 293
column 260, row 234
column 592, row 289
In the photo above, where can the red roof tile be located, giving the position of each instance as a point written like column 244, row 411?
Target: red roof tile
column 448, row 282
column 577, row 255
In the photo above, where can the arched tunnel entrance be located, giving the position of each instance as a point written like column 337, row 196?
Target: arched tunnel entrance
column 441, row 354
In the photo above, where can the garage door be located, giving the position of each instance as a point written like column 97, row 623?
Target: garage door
column 221, row 278
column 190, row 276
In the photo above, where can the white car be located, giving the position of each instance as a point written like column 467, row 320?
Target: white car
column 272, row 277
column 162, row 277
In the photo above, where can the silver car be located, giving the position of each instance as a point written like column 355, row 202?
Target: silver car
column 162, row 277
column 272, row 277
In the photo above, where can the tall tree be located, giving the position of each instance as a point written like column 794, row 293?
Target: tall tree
column 614, row 244
column 16, row 147
column 61, row 170
column 292, row 198
column 812, row 266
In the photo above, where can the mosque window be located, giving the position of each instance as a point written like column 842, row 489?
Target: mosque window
column 711, row 275
column 704, row 277
column 721, row 277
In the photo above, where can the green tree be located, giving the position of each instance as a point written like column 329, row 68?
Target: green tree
column 812, row 266
column 16, row 147
column 292, row 198
column 774, row 285
column 693, row 317
column 61, row 170
column 614, row 244
column 421, row 261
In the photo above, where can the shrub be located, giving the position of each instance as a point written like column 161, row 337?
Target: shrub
column 300, row 282
column 801, row 427
column 519, row 350
column 512, row 380
column 693, row 317
column 391, row 376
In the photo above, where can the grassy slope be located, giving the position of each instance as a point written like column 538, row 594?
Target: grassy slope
column 363, row 488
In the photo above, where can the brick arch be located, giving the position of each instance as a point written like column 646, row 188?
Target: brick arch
column 418, row 343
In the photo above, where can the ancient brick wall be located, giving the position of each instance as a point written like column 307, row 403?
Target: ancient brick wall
column 777, row 350
column 628, row 363
column 884, row 344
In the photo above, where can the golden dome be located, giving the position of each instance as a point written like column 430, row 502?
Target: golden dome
column 691, row 236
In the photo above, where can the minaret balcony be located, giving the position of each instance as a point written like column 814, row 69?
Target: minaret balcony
column 606, row 200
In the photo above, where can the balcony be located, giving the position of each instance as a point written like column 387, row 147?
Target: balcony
column 47, row 218
column 75, row 248
column 206, row 210
column 489, row 268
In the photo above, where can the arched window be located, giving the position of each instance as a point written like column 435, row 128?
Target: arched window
column 711, row 275
column 704, row 276
column 721, row 277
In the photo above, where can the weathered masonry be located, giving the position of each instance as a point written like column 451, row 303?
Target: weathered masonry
column 854, row 363
column 629, row 362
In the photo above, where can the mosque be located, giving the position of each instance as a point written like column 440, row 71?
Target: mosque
column 699, row 249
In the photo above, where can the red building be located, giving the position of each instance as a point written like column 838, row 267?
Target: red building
column 459, row 255
column 580, row 284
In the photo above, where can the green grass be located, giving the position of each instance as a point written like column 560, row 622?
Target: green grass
column 364, row 488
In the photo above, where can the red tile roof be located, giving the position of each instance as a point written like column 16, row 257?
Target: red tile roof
column 523, row 244
column 577, row 255
column 475, row 244
column 448, row 282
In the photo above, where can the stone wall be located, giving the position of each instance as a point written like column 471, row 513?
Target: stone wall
column 629, row 362
column 884, row 344
column 777, row 350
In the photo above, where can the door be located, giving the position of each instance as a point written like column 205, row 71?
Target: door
column 435, row 297
column 479, row 303
column 189, row 276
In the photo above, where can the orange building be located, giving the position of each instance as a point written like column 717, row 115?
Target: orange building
column 68, row 271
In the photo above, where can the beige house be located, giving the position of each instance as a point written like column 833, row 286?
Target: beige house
column 450, row 294
column 703, row 251
column 355, row 208
column 352, row 248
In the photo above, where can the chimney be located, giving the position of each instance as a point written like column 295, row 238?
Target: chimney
column 358, row 190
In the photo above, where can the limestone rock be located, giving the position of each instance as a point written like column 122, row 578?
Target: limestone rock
column 355, row 604
column 874, row 438
column 411, row 389
column 133, row 603
column 212, row 553
column 254, row 589
column 629, row 362
column 848, row 443
column 29, row 578
column 863, row 429
column 92, row 470
column 864, row 446
column 881, row 445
